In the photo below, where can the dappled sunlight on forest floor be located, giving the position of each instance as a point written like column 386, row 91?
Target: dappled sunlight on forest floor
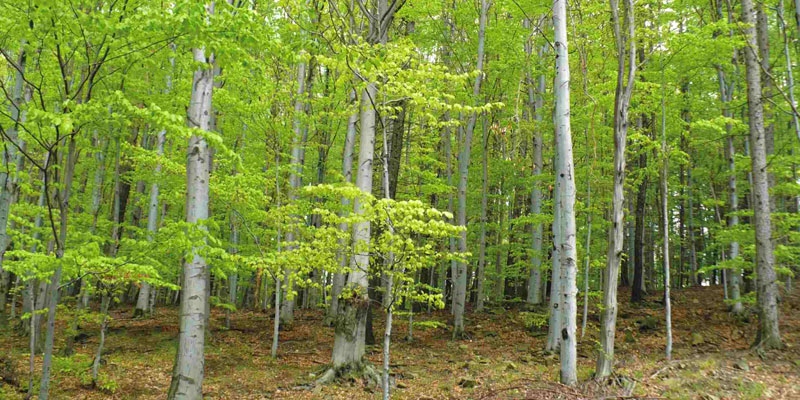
column 501, row 360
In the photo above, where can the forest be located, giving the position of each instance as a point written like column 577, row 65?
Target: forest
column 410, row 199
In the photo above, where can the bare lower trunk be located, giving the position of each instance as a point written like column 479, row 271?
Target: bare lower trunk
column 103, row 325
column 564, row 237
column 187, row 375
column 535, row 295
column 588, row 259
column 143, row 303
column 460, row 277
column 62, row 197
column 727, row 86
column 295, row 183
column 347, row 172
column 768, row 333
column 616, row 233
column 665, row 219
column 484, row 202
column 10, row 157
column 556, row 309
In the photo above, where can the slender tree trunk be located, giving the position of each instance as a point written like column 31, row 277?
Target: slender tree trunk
column 556, row 305
column 11, row 156
column 695, row 278
column 484, row 202
column 535, row 295
column 564, row 237
column 460, row 278
column 762, row 39
column 187, row 375
column 388, row 298
column 143, row 303
column 347, row 172
column 276, row 320
column 103, row 326
column 38, row 287
column 630, row 235
column 626, row 46
column 62, row 197
column 295, row 183
column 588, row 258
column 768, row 333
column 233, row 278
column 448, row 151
column 795, row 119
column 734, row 275
column 535, row 103
column 637, row 293
column 665, row 218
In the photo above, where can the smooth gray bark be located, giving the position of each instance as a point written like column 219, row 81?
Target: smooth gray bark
column 295, row 183
column 103, row 325
column 460, row 278
column 564, row 237
column 768, row 333
column 665, row 219
column 484, row 202
column 143, row 304
column 587, row 258
column 347, row 172
column 626, row 46
column 187, row 375
column 62, row 198
column 555, row 320
column 11, row 156
column 349, row 343
column 535, row 295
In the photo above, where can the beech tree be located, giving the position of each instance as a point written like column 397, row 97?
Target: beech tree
column 335, row 180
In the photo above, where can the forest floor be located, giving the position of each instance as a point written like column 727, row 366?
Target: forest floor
column 501, row 360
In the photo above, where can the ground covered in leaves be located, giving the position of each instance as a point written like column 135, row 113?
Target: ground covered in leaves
column 502, row 359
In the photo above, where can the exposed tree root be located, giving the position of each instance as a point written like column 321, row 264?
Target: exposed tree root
column 351, row 372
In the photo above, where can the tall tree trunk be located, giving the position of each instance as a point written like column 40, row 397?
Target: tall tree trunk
column 588, row 258
column 484, row 203
column 564, row 236
column 762, row 39
column 460, row 278
column 556, row 305
column 11, row 156
column 537, row 98
column 626, row 45
column 630, row 233
column 187, row 375
column 768, row 333
column 143, row 303
column 795, row 119
column 295, row 183
column 351, row 321
column 448, row 151
column 62, row 198
column 348, row 349
column 637, row 293
column 665, row 218
column 347, row 172
column 695, row 278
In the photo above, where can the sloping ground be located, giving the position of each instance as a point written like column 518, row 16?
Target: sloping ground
column 502, row 360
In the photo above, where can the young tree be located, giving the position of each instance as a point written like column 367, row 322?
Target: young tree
column 460, row 278
column 626, row 48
